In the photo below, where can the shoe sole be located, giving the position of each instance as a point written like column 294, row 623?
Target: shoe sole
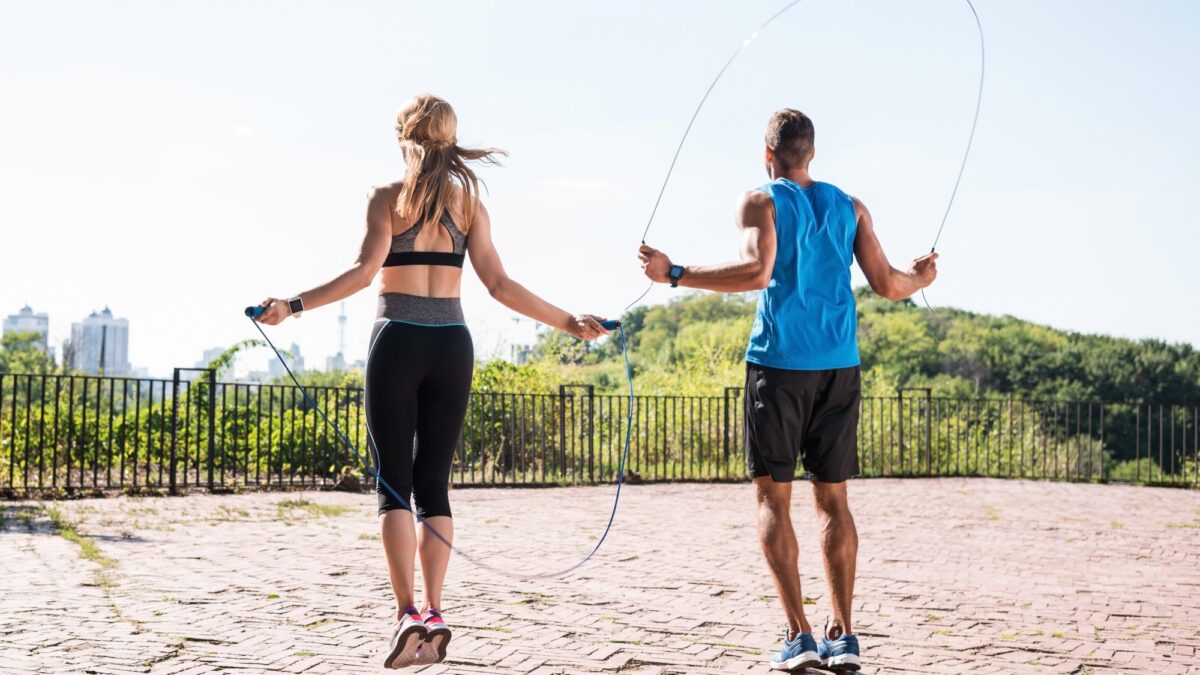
column 404, row 652
column 797, row 663
column 846, row 663
column 438, row 641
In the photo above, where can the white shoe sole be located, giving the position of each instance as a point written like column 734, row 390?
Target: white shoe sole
column 433, row 649
column 404, row 649
column 802, row 660
column 841, row 662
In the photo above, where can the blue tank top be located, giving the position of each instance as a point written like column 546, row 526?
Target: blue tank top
column 806, row 317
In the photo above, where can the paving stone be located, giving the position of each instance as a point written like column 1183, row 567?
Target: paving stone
column 955, row 576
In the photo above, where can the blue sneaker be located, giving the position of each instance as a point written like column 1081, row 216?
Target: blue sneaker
column 840, row 654
column 797, row 654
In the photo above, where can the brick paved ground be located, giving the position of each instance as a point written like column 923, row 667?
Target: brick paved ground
column 954, row 576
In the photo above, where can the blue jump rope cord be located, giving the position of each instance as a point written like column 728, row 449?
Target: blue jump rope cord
column 624, row 349
column 429, row 528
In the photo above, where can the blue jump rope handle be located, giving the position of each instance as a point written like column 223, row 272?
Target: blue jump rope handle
column 611, row 324
column 255, row 311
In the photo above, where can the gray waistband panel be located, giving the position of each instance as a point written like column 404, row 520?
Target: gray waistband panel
column 418, row 309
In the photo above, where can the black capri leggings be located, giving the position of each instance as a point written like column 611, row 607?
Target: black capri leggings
column 417, row 382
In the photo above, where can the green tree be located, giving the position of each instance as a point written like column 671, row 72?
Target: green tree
column 19, row 353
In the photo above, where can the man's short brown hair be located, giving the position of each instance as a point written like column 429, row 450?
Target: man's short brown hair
column 790, row 136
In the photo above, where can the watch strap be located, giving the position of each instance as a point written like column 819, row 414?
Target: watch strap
column 675, row 274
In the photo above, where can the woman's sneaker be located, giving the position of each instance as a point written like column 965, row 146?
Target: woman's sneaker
column 407, row 639
column 840, row 654
column 433, row 649
column 798, row 653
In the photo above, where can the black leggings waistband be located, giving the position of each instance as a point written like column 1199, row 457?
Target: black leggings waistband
column 419, row 309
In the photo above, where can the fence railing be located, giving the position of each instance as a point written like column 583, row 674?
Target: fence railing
column 64, row 434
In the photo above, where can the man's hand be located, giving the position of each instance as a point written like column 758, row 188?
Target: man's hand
column 924, row 269
column 655, row 264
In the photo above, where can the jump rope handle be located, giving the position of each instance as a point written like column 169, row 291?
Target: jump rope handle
column 255, row 311
column 611, row 324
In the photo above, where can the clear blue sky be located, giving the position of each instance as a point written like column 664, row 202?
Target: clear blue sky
column 178, row 161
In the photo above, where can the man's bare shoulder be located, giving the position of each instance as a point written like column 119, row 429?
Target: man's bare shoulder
column 755, row 205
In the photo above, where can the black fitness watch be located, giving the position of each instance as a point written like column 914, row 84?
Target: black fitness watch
column 296, row 305
column 675, row 274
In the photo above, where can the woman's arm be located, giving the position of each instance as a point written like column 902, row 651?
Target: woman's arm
column 513, row 295
column 374, row 250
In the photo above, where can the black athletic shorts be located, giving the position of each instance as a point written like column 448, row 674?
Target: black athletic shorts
column 809, row 416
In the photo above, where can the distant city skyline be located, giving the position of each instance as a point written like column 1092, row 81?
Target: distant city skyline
column 27, row 321
column 212, row 178
column 99, row 344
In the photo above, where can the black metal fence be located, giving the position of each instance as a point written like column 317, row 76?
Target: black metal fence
column 67, row 434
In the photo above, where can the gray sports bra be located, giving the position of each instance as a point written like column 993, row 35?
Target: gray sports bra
column 402, row 252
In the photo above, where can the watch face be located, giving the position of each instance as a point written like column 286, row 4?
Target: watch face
column 676, row 271
column 296, row 306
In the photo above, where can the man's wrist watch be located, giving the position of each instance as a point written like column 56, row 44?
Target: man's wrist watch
column 296, row 305
column 675, row 274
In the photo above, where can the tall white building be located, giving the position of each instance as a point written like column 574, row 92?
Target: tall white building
column 295, row 362
column 209, row 355
column 101, row 342
column 335, row 363
column 26, row 321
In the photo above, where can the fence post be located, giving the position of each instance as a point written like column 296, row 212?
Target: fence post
column 729, row 420
column 928, row 427
column 174, row 426
column 562, row 429
column 212, row 423
column 900, row 424
column 589, row 394
column 591, row 406
column 928, row 431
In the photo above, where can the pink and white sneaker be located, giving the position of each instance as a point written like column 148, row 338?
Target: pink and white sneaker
column 407, row 638
column 433, row 649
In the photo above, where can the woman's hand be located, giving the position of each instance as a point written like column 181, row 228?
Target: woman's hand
column 276, row 310
column 586, row 327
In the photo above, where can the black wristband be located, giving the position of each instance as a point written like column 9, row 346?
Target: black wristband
column 675, row 274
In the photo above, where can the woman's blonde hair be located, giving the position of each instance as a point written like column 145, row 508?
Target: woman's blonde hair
column 426, row 128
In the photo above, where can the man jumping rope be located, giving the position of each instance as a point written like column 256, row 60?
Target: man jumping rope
column 802, row 377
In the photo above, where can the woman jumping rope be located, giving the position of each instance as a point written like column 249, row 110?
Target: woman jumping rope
column 421, row 358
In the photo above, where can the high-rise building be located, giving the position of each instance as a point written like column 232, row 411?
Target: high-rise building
column 100, row 344
column 337, row 362
column 209, row 356
column 295, row 362
column 26, row 321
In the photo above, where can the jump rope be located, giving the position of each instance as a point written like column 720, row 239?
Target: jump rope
column 254, row 312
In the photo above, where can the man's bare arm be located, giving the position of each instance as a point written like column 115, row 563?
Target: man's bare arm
column 884, row 279
column 756, row 221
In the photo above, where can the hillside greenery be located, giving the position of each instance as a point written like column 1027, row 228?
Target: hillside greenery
column 696, row 345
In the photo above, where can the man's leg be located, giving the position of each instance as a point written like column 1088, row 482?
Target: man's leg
column 839, row 545
column 779, row 547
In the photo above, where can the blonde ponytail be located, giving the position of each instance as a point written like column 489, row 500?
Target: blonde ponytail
column 426, row 129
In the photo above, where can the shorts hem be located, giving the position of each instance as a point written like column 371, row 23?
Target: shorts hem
column 790, row 477
column 393, row 507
